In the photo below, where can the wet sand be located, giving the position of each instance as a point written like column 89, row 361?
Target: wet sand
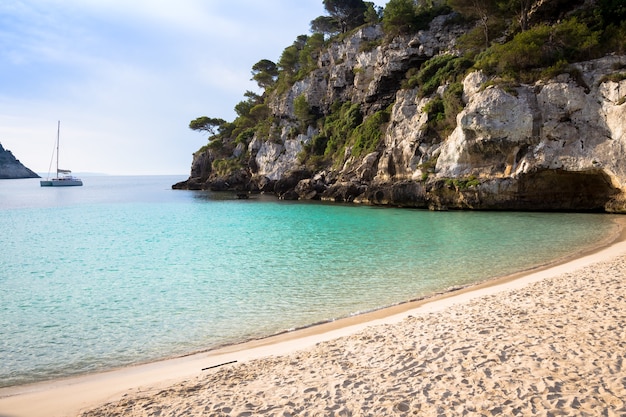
column 546, row 342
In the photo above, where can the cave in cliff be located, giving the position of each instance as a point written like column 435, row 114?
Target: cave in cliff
column 565, row 190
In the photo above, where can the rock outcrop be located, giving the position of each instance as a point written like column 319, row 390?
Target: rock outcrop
column 552, row 145
column 11, row 168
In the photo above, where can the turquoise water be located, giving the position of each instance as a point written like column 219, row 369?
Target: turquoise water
column 126, row 270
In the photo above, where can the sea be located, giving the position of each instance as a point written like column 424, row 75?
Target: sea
column 125, row 270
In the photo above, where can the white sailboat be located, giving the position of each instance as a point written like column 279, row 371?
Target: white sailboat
column 64, row 177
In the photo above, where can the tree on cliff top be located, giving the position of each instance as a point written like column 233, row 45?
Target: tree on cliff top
column 207, row 124
column 482, row 10
column 325, row 25
column 399, row 16
column 265, row 73
column 347, row 13
column 410, row 16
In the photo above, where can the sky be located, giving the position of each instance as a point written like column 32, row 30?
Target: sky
column 125, row 77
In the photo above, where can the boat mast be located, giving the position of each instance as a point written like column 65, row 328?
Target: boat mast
column 58, row 135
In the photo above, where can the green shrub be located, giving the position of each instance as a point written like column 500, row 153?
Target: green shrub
column 216, row 144
column 425, row 14
column 473, row 41
column 462, row 183
column 560, row 67
column 442, row 110
column 245, row 136
column 309, row 54
column 367, row 135
column 398, row 16
column 614, row 38
column 616, row 77
column 435, row 110
column 345, row 127
column 318, row 145
column 370, row 45
column 314, row 162
column 260, row 112
column 540, row 47
column 506, row 84
column 338, row 126
column 303, row 112
column 428, row 167
column 264, row 127
column 224, row 167
column 404, row 16
column 524, row 52
column 452, row 104
column 436, row 72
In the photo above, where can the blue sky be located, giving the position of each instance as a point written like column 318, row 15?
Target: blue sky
column 125, row 77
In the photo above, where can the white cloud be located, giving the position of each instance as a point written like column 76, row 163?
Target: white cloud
column 126, row 77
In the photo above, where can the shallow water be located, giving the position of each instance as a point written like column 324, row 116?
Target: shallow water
column 126, row 270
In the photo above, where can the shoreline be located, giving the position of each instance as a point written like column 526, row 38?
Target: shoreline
column 67, row 397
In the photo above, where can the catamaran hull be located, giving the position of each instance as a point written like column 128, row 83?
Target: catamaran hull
column 60, row 183
column 63, row 176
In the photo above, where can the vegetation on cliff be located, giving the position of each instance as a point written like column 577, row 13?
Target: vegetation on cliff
column 513, row 41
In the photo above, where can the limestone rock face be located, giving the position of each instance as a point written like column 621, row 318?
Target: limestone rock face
column 274, row 160
column 11, row 168
column 491, row 130
column 406, row 147
column 553, row 145
column 574, row 131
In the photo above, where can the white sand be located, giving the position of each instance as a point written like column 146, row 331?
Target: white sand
column 551, row 342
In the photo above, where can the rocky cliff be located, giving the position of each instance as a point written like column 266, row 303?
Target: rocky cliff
column 555, row 144
column 11, row 168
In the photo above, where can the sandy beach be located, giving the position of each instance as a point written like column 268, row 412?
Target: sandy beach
column 547, row 342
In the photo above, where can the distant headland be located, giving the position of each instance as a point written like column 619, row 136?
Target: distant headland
column 12, row 168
